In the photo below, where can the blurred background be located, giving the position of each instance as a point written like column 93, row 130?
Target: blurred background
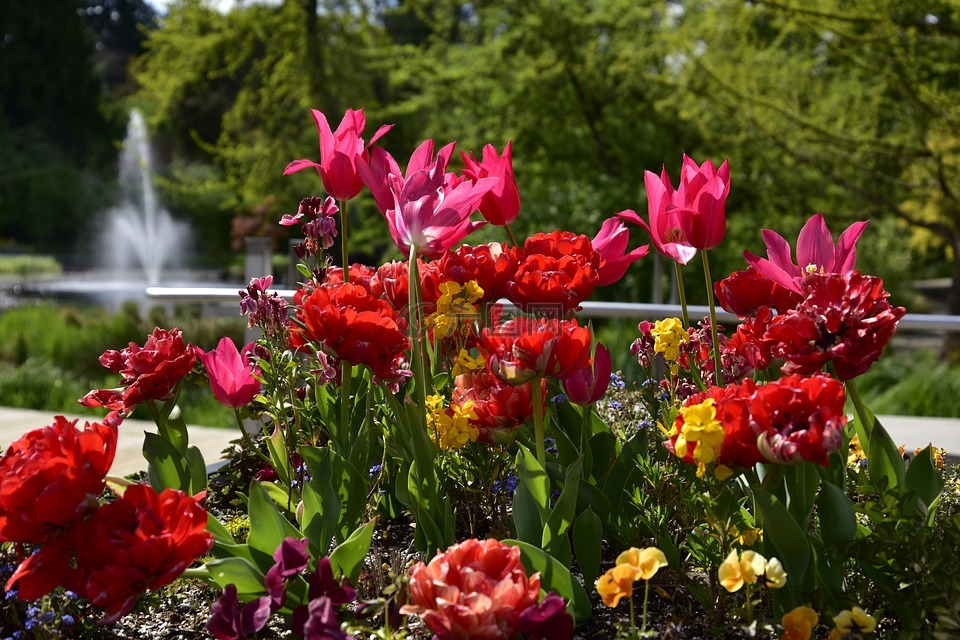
column 846, row 107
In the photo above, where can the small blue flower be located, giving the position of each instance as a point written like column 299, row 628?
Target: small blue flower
column 10, row 594
column 30, row 623
column 47, row 617
column 558, row 399
column 615, row 405
column 70, row 595
column 644, row 424
column 67, row 620
column 617, row 381
column 33, row 612
column 375, row 470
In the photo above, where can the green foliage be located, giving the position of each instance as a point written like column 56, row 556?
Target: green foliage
column 912, row 383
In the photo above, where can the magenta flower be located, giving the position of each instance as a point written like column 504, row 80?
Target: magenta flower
column 689, row 218
column 816, row 253
column 339, row 151
column 501, row 204
column 611, row 244
column 588, row 384
column 431, row 208
column 231, row 374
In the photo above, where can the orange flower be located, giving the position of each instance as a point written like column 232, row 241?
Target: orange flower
column 798, row 624
column 617, row 583
column 646, row 561
column 556, row 269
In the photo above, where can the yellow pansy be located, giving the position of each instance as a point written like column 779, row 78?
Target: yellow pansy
column 700, row 425
column 616, row 583
column 855, row 620
column 798, row 624
column 646, row 561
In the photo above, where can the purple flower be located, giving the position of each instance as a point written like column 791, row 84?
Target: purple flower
column 228, row 621
column 547, row 619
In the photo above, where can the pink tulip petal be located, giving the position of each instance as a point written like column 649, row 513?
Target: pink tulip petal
column 846, row 256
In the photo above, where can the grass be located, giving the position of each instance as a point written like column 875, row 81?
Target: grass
column 28, row 265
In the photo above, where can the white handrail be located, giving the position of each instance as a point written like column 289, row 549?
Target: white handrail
column 591, row 309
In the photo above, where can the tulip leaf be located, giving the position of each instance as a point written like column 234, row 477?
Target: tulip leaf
column 239, row 572
column 268, row 527
column 923, row 479
column 196, row 469
column 624, row 468
column 218, row 531
column 166, row 466
column 884, row 461
column 587, row 536
column 838, row 521
column 534, row 479
column 603, row 448
column 564, row 511
column 789, row 540
column 554, row 576
column 526, row 516
column 277, row 446
column 347, row 558
column 321, row 508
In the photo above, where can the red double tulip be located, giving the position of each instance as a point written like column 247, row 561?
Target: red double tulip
column 501, row 204
column 149, row 372
column 340, row 151
column 746, row 292
column 557, row 271
column 51, row 477
column 473, row 590
column 525, row 348
column 491, row 265
column 232, row 376
column 347, row 322
column 500, row 407
column 141, row 541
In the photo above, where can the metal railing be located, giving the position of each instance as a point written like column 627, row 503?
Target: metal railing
column 591, row 309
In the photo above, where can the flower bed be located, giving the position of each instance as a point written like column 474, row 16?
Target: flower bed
column 536, row 490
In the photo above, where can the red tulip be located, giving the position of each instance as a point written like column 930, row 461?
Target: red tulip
column 141, row 541
column 232, row 376
column 816, row 253
column 473, row 590
column 339, row 152
column 491, row 265
column 500, row 407
column 50, row 478
column 611, row 244
column 588, row 384
column 149, row 372
column 525, row 348
column 347, row 322
column 501, row 204
column 557, row 270
column 746, row 292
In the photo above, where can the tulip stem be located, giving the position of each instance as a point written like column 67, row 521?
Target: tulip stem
column 510, row 234
column 416, row 341
column 344, row 246
column 633, row 618
column 646, row 599
column 249, row 441
column 538, row 416
column 683, row 295
column 718, row 372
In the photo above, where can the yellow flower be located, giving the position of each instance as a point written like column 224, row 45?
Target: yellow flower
column 616, row 583
column 855, row 453
column 700, row 425
column 454, row 308
column 454, row 428
column 473, row 291
column 668, row 335
column 749, row 537
column 855, row 620
column 646, row 561
column 736, row 571
column 774, row 577
column 798, row 624
column 466, row 363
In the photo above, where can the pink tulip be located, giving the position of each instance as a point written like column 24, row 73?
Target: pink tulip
column 231, row 374
column 816, row 253
column 339, row 152
column 689, row 218
column 502, row 203
column 588, row 384
column 611, row 244
column 431, row 208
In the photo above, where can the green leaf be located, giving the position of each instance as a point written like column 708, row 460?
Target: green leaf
column 348, row 557
column 555, row 577
column 603, row 447
column 267, row 527
column 196, row 470
column 218, row 531
column 564, row 511
column 534, row 479
column 789, row 540
column 884, row 461
column 526, row 516
column 166, row 466
column 587, row 537
column 277, row 446
column 838, row 521
column 923, row 478
column 239, row 572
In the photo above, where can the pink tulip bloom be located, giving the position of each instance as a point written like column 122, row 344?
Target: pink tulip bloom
column 816, row 253
column 431, row 208
column 588, row 384
column 502, row 203
column 231, row 374
column 687, row 219
column 339, row 151
column 611, row 244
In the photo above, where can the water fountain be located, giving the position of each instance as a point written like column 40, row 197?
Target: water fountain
column 140, row 238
